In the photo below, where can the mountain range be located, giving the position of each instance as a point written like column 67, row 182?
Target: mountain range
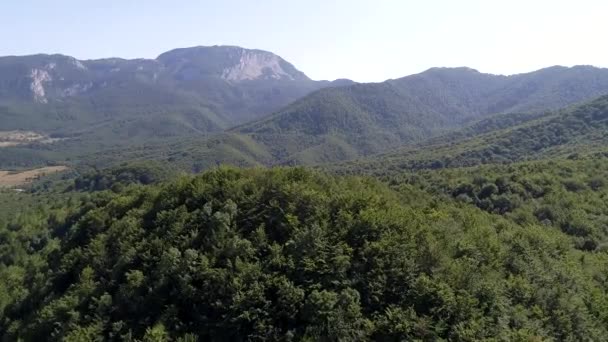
column 183, row 91
column 198, row 107
column 371, row 118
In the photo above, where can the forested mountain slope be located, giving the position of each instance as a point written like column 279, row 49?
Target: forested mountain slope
column 497, row 138
column 580, row 129
column 183, row 91
column 330, row 125
column 567, row 194
column 371, row 118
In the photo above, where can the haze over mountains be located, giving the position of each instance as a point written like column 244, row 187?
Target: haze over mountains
column 194, row 90
column 501, row 139
column 250, row 107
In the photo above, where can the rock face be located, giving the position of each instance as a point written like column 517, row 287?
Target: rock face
column 76, row 89
column 230, row 63
column 39, row 77
column 254, row 65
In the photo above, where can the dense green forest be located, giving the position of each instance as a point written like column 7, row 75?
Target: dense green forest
column 294, row 254
column 567, row 194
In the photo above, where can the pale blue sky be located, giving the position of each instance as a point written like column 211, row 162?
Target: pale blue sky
column 365, row 40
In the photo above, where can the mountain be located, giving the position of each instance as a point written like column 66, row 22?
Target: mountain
column 167, row 112
column 496, row 138
column 567, row 133
column 372, row 118
column 183, row 91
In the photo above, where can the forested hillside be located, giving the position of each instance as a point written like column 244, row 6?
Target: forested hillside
column 290, row 254
column 498, row 138
column 505, row 249
column 577, row 130
column 373, row 118
column 197, row 94
column 568, row 194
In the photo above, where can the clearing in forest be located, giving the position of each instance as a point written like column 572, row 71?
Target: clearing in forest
column 16, row 178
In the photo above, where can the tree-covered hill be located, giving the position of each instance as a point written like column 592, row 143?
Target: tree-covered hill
column 576, row 130
column 568, row 194
column 372, row 118
column 494, row 139
column 291, row 254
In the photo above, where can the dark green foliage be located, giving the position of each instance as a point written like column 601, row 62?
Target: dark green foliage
column 118, row 177
column 290, row 254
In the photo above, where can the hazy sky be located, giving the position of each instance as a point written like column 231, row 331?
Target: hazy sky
column 365, row 40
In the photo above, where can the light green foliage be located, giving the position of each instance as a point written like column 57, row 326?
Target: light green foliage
column 568, row 195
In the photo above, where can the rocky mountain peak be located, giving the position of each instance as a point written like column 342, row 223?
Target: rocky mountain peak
column 231, row 63
column 254, row 65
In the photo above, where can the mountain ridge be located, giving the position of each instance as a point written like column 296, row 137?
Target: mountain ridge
column 201, row 92
column 566, row 133
column 375, row 117
column 199, row 89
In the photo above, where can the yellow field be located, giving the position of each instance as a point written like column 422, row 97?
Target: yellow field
column 16, row 178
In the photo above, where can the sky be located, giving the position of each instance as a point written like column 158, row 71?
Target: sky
column 364, row 40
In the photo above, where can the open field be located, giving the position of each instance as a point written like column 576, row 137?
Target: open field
column 16, row 178
column 16, row 138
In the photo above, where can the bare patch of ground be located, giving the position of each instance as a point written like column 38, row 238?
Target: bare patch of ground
column 16, row 138
column 17, row 178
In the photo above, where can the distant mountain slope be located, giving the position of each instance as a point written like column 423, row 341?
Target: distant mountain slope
column 372, row 118
column 495, row 139
column 183, row 91
column 581, row 129
column 167, row 106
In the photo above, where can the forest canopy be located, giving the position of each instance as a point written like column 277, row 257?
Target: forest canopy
column 292, row 254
